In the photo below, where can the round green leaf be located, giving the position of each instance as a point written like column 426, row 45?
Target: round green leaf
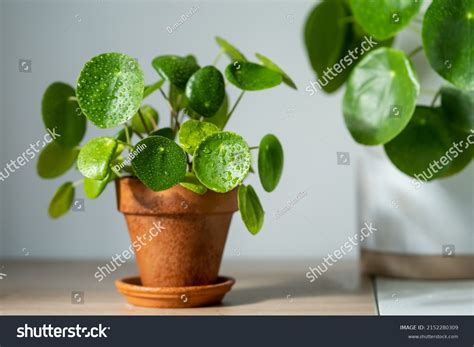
column 191, row 183
column 95, row 157
column 326, row 32
column 61, row 111
column 250, row 76
column 205, row 91
column 458, row 106
column 192, row 132
column 230, row 50
column 165, row 132
column 384, row 18
column 380, row 97
column 150, row 116
column 110, row 89
column 222, row 161
column 176, row 69
column 62, row 200
column 250, row 209
column 221, row 116
column 418, row 150
column 161, row 164
column 55, row 160
column 272, row 66
column 93, row 188
column 448, row 32
column 270, row 162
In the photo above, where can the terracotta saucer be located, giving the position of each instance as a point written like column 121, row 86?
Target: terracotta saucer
column 173, row 297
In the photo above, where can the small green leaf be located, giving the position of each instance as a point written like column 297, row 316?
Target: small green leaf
column 251, row 76
column 222, row 161
column 110, row 89
column 418, row 150
column 272, row 66
column 55, row 160
column 384, row 18
column 150, row 117
column 165, row 132
column 95, row 157
column 326, row 32
column 270, row 162
column 62, row 200
column 458, row 106
column 230, row 50
column 191, row 183
column 448, row 31
column 149, row 89
column 176, row 69
column 220, row 118
column 93, row 188
column 161, row 164
column 205, row 91
column 380, row 97
column 192, row 132
column 250, row 209
column 61, row 111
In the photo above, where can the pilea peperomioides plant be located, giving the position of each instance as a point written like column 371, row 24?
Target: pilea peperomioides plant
column 110, row 92
column 380, row 101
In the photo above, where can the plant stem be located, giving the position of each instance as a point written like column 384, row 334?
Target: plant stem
column 78, row 183
column 233, row 108
column 218, row 57
column 143, row 122
column 253, row 147
column 152, row 88
column 435, row 98
column 174, row 114
column 415, row 51
column 126, row 144
column 72, row 98
column 127, row 135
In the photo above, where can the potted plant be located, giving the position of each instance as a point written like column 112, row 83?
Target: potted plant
column 424, row 219
column 177, row 186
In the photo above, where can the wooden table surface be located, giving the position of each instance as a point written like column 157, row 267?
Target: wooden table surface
column 262, row 288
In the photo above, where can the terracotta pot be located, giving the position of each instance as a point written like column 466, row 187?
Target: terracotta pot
column 178, row 236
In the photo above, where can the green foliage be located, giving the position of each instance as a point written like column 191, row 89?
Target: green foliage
column 250, row 209
column 62, row 200
column 161, row 163
column 251, row 76
column 448, row 32
column 55, row 160
column 110, row 93
column 61, row 111
column 388, row 77
column 222, row 161
column 270, row 162
column 110, row 89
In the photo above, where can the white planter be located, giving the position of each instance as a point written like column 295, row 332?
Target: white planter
column 423, row 231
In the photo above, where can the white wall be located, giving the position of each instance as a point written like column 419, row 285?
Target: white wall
column 60, row 36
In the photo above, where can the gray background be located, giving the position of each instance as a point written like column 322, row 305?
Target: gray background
column 59, row 37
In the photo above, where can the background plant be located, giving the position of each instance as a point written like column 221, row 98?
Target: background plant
column 380, row 100
column 194, row 150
